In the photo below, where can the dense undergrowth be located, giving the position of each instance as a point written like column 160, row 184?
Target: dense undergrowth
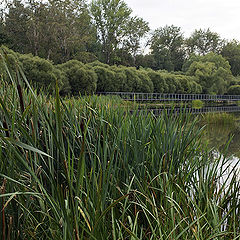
column 88, row 169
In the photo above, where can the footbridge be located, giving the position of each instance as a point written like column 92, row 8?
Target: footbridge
column 140, row 97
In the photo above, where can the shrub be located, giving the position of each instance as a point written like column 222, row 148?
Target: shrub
column 133, row 82
column 197, row 104
column 146, row 83
column 188, row 84
column 11, row 58
column 40, row 71
column 159, row 83
column 234, row 90
column 170, row 81
column 106, row 80
column 81, row 79
column 120, row 78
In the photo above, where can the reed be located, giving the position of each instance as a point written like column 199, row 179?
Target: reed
column 87, row 168
column 219, row 119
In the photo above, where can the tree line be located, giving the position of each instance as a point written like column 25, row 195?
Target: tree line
column 209, row 74
column 104, row 37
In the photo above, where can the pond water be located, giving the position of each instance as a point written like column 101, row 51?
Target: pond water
column 218, row 136
column 225, row 139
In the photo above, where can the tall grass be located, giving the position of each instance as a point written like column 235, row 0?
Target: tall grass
column 88, row 169
column 219, row 119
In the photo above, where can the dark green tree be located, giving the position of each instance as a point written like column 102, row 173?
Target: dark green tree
column 204, row 41
column 56, row 30
column 41, row 72
column 231, row 52
column 167, row 47
column 116, row 28
column 16, row 20
column 234, row 90
column 212, row 72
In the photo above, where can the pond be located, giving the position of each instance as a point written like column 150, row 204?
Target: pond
column 220, row 136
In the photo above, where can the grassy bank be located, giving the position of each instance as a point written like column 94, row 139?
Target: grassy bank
column 88, row 169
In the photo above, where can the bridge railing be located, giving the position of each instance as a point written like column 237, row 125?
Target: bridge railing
column 159, row 111
column 171, row 96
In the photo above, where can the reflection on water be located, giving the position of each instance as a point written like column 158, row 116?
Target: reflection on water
column 218, row 136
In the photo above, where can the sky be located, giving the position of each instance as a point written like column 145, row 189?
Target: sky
column 221, row 16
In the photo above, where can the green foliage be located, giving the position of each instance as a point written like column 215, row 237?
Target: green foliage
column 116, row 28
column 98, row 64
column 197, row 104
column 146, row 83
column 136, row 80
column 165, row 82
column 187, row 84
column 120, row 77
column 159, row 83
column 212, row 72
column 234, row 90
column 4, row 39
column 85, row 57
column 231, row 52
column 203, row 42
column 40, row 71
column 146, row 61
column 87, row 168
column 167, row 48
column 50, row 29
column 11, row 57
column 218, row 119
column 82, row 80
column 106, row 80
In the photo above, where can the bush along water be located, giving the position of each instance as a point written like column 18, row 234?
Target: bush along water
column 88, row 169
column 197, row 104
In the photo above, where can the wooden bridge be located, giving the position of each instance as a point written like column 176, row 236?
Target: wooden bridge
column 139, row 97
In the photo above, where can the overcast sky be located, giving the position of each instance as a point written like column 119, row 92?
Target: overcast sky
column 221, row 16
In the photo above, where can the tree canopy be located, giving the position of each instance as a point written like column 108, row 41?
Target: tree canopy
column 167, row 48
column 212, row 72
column 116, row 28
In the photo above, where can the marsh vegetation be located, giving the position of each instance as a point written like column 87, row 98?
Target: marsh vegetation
column 85, row 168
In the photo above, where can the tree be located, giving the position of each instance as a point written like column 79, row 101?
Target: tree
column 204, row 41
column 106, row 80
column 231, row 52
column 234, row 90
column 116, row 28
column 135, row 30
column 159, row 83
column 167, row 47
column 3, row 33
column 52, row 29
column 212, row 72
column 146, row 61
column 16, row 20
column 70, row 27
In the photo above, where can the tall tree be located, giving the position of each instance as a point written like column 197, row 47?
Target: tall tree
column 53, row 29
column 135, row 31
column 71, row 25
column 167, row 47
column 16, row 18
column 231, row 52
column 212, row 72
column 115, row 27
column 204, row 41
